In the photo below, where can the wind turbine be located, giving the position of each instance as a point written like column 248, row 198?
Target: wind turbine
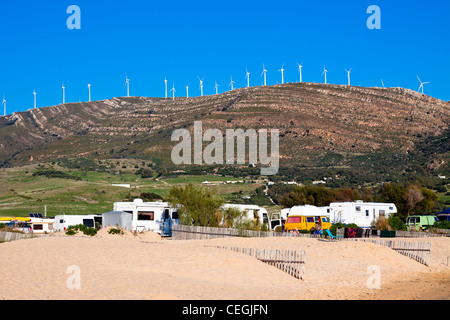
column 247, row 76
column 187, row 91
column 173, row 91
column 4, row 106
column 231, row 83
column 34, row 93
column 348, row 75
column 216, row 87
column 300, row 70
column 282, row 74
column 64, row 93
column 165, row 84
column 421, row 84
column 127, row 84
column 382, row 83
column 264, row 72
column 89, row 88
column 201, row 85
column 325, row 73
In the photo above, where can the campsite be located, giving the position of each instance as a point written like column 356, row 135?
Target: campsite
column 146, row 266
column 133, row 255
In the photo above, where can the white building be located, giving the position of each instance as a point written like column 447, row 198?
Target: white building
column 363, row 214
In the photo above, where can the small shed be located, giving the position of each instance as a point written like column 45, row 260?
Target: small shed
column 118, row 219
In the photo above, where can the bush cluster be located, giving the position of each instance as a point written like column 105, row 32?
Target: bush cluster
column 115, row 231
column 72, row 230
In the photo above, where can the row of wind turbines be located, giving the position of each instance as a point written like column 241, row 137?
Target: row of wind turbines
column 216, row 86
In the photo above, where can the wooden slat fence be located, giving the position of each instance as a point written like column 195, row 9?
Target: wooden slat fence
column 183, row 232
column 419, row 251
column 11, row 236
column 290, row 261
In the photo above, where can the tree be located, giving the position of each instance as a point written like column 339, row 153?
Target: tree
column 146, row 173
column 412, row 196
column 196, row 205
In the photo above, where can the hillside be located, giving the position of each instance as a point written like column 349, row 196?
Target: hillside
column 378, row 132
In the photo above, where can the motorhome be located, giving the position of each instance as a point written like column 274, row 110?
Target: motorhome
column 147, row 215
column 62, row 222
column 363, row 214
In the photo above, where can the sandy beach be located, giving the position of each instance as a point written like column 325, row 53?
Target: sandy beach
column 147, row 267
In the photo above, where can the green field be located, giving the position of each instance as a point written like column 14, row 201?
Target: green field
column 23, row 193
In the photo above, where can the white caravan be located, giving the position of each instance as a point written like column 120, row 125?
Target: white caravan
column 147, row 215
column 42, row 225
column 62, row 222
column 363, row 214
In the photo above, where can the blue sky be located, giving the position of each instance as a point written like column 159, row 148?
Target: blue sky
column 183, row 40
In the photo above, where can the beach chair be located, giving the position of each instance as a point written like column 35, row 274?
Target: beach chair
column 331, row 235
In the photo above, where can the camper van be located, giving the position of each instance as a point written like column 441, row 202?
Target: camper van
column 148, row 215
column 306, row 217
column 417, row 222
column 62, row 222
column 363, row 214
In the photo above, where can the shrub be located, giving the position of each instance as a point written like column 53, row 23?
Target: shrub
column 396, row 223
column 442, row 225
column 72, row 230
column 381, row 223
column 115, row 231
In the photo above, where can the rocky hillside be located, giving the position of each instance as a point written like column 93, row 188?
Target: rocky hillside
column 320, row 126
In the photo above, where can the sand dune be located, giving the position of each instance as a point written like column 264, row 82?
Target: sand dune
column 148, row 267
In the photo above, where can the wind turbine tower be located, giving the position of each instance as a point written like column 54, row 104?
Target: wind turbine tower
column 282, row 74
column 165, row 84
column 34, row 93
column 264, row 72
column 187, row 92
column 421, row 84
column 64, row 93
column 89, row 88
column 231, row 83
column 4, row 106
column 300, row 70
column 325, row 73
column 247, row 76
column 348, row 75
column 173, row 91
column 127, row 84
column 201, row 85
column 216, row 87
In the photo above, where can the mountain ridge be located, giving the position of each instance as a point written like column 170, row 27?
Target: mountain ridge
column 320, row 125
